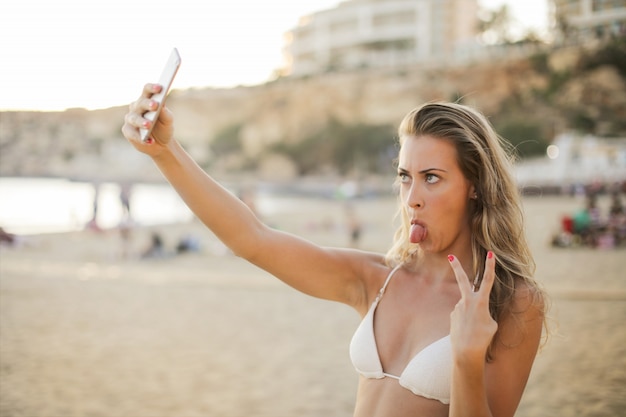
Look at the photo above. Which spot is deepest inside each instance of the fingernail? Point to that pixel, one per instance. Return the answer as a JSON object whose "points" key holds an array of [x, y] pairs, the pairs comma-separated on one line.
{"points": [[149, 140], [489, 255], [146, 124], [451, 258]]}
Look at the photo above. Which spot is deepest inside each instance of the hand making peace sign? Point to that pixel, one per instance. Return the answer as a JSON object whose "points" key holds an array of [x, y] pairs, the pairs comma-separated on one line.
{"points": [[471, 326]]}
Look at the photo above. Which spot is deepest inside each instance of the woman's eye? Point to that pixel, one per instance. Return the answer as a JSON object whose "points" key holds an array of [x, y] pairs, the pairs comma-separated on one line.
{"points": [[431, 178], [403, 178]]}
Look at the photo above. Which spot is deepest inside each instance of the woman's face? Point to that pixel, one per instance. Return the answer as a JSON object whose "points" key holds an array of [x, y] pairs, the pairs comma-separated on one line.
{"points": [[435, 194]]}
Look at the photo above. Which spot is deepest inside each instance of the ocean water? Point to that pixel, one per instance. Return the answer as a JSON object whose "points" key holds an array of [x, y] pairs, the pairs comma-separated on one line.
{"points": [[48, 205], [53, 205]]}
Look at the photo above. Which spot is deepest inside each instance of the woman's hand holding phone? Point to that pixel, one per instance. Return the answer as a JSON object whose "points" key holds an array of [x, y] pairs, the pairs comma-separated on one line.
{"points": [[148, 122]]}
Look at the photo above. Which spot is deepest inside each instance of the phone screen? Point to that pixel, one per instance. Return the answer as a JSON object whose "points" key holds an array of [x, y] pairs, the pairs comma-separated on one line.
{"points": [[167, 76]]}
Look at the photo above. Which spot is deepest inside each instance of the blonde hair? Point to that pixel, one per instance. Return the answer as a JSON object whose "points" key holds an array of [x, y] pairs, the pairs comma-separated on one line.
{"points": [[496, 218]]}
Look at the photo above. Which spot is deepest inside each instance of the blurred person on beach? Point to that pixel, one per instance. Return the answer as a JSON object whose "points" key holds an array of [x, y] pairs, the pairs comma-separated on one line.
{"points": [[156, 249], [93, 223], [7, 238], [354, 225], [616, 222], [125, 195], [125, 226], [452, 316]]}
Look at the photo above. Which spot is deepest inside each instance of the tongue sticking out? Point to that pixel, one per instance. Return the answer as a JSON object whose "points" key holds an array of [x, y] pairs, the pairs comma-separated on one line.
{"points": [[417, 233]]}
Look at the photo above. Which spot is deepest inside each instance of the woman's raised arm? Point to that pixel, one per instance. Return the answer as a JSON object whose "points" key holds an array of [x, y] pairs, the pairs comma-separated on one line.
{"points": [[334, 274]]}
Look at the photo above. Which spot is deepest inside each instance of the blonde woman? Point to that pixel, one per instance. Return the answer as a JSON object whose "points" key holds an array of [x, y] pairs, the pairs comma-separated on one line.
{"points": [[452, 317]]}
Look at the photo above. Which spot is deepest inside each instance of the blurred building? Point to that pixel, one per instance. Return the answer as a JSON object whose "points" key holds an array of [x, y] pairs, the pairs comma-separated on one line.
{"points": [[574, 159], [381, 33], [580, 20]]}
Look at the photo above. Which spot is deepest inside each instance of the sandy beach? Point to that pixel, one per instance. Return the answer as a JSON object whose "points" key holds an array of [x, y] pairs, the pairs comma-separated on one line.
{"points": [[87, 328]]}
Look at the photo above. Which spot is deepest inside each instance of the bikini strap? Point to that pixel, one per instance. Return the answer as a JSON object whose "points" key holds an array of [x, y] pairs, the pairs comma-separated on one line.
{"points": [[384, 287]]}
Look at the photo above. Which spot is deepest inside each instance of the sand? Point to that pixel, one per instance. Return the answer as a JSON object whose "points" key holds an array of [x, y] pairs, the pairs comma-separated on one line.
{"points": [[89, 329]]}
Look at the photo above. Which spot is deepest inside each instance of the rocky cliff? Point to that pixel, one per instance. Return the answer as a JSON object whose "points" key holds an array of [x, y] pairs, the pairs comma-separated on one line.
{"points": [[88, 144]]}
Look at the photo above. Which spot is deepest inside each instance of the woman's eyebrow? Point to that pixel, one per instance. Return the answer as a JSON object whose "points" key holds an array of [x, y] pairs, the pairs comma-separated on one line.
{"points": [[427, 170], [424, 171]]}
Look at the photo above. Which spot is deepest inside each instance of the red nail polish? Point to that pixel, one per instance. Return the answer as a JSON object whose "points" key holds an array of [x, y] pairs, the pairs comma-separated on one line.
{"points": [[451, 258], [149, 140], [489, 255]]}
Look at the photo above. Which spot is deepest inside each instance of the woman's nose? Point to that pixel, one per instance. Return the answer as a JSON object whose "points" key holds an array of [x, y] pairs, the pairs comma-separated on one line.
{"points": [[414, 198]]}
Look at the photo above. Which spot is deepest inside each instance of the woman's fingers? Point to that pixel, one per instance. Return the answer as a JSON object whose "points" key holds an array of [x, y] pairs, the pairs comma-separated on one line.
{"points": [[134, 120], [471, 325], [484, 286], [150, 89], [142, 105], [460, 275], [490, 274]]}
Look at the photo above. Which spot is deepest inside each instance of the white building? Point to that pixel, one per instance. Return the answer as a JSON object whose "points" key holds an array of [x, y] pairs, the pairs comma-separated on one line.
{"points": [[590, 19], [381, 33], [575, 159]]}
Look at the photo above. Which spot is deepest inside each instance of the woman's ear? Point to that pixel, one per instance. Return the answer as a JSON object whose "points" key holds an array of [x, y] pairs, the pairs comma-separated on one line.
{"points": [[473, 195]]}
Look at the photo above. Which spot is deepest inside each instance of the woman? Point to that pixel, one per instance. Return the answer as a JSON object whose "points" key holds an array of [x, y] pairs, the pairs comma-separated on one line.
{"points": [[452, 317]]}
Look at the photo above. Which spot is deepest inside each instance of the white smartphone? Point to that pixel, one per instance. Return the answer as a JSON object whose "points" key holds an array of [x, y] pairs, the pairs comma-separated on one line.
{"points": [[167, 76]]}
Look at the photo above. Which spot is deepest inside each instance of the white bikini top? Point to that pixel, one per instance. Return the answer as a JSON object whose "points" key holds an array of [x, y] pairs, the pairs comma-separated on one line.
{"points": [[428, 374]]}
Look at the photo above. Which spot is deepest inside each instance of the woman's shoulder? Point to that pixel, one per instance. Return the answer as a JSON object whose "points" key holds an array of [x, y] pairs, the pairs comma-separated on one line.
{"points": [[528, 297], [526, 315]]}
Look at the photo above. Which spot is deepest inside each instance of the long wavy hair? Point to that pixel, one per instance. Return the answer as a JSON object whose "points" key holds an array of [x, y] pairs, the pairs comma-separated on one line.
{"points": [[496, 217]]}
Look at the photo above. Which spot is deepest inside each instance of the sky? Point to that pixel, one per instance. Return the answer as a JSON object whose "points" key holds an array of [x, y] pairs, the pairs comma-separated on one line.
{"points": [[99, 53]]}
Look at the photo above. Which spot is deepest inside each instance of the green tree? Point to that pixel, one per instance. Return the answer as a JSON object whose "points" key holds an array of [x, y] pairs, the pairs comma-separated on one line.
{"points": [[345, 147], [495, 25], [227, 141], [525, 136]]}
